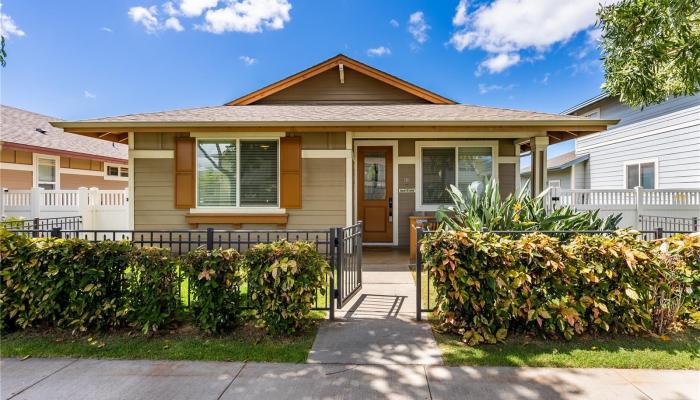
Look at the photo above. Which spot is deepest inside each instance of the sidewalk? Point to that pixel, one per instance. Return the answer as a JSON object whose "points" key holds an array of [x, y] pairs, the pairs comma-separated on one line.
{"points": [[48, 379]]}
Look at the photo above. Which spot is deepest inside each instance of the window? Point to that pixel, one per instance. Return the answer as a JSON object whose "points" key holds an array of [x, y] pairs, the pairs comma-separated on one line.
{"points": [[641, 174], [554, 183], [460, 165], [237, 173], [46, 173], [116, 171]]}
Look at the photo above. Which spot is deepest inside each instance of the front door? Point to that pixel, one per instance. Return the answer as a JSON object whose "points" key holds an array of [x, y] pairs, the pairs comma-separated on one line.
{"points": [[375, 188]]}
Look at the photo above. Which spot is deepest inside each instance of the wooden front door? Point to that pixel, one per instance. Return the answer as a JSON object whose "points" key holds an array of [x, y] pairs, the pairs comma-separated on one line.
{"points": [[374, 197]]}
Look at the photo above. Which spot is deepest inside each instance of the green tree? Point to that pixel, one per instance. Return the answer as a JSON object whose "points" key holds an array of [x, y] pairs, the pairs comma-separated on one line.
{"points": [[3, 54], [651, 49]]}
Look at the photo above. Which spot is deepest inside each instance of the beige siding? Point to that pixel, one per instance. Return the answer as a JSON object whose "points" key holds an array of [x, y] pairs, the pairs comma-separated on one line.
{"points": [[13, 179], [154, 196], [407, 201], [157, 141], [74, 181], [506, 179], [323, 195], [321, 140], [326, 88]]}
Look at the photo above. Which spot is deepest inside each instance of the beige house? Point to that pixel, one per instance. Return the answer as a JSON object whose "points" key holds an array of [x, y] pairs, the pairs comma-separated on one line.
{"points": [[35, 154], [333, 144]]}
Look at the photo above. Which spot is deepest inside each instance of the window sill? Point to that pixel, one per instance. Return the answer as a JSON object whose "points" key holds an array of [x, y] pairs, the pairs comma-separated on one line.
{"points": [[236, 219]]}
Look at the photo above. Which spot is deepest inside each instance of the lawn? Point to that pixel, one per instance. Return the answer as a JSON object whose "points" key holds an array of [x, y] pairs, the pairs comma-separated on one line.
{"points": [[681, 351], [428, 293], [245, 344]]}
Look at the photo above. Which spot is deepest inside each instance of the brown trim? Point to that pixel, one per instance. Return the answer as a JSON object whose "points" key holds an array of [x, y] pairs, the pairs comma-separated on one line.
{"points": [[290, 172], [332, 62], [185, 170], [237, 219], [57, 152]]}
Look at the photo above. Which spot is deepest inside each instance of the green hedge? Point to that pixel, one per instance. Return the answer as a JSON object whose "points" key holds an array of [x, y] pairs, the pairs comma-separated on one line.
{"points": [[215, 282], [489, 285], [75, 284], [283, 278]]}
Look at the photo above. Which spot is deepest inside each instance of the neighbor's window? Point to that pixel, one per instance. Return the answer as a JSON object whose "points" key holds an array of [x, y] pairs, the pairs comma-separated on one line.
{"points": [[641, 174], [237, 173], [117, 171], [461, 166], [46, 173]]}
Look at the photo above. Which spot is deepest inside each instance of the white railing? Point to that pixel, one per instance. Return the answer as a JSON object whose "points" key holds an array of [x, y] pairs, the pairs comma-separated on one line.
{"points": [[631, 203], [99, 209]]}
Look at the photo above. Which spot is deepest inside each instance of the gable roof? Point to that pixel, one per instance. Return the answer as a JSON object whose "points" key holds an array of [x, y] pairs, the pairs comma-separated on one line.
{"points": [[29, 131], [334, 62]]}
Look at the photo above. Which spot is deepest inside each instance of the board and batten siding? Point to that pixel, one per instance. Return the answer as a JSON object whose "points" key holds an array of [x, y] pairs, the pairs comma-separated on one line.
{"points": [[672, 139]]}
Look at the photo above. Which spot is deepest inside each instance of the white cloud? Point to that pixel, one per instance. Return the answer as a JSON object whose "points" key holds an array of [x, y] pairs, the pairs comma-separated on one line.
{"points": [[394, 23], [499, 62], [248, 60], [483, 89], [148, 17], [170, 9], [248, 16], [106, 29], [89, 95], [506, 27], [195, 8], [8, 27], [379, 51], [418, 27], [174, 24]]}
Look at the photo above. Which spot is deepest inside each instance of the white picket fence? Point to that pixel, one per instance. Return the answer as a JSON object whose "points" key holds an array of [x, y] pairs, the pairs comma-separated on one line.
{"points": [[99, 209], [631, 203]]}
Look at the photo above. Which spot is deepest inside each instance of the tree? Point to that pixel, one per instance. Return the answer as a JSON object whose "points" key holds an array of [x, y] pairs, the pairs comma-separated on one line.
{"points": [[651, 49], [3, 54]]}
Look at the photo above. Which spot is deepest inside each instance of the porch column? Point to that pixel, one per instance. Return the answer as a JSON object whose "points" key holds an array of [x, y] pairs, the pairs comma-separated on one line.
{"points": [[349, 214], [538, 166]]}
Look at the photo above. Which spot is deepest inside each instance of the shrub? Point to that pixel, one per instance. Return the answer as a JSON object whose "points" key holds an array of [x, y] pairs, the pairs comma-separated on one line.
{"points": [[283, 278], [214, 282], [153, 295], [515, 212], [69, 283], [489, 285]]}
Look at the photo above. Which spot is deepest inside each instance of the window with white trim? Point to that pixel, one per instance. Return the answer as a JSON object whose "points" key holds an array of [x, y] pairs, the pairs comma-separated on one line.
{"points": [[116, 171], [237, 173], [462, 166], [46, 173], [641, 174]]}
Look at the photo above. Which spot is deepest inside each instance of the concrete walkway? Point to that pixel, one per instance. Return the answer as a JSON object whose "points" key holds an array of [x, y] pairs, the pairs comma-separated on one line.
{"points": [[377, 326], [69, 379]]}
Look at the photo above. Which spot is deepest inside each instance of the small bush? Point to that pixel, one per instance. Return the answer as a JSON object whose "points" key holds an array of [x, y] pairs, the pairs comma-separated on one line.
{"points": [[283, 278], [489, 285], [153, 295], [214, 282]]}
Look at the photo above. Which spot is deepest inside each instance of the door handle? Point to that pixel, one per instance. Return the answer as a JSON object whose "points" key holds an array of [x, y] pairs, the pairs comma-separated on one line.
{"points": [[391, 206]]}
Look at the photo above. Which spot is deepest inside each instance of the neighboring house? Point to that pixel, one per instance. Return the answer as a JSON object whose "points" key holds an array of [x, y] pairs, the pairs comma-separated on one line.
{"points": [[336, 143], [566, 171], [657, 147], [35, 154]]}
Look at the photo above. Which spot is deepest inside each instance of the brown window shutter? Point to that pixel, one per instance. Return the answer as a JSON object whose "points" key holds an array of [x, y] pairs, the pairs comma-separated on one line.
{"points": [[185, 169], [290, 172]]}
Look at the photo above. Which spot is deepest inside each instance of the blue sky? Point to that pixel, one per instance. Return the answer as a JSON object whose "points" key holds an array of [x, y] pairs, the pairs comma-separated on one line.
{"points": [[85, 58]]}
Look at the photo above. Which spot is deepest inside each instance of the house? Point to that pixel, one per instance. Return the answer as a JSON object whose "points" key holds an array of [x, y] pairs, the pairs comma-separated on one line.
{"points": [[335, 143], [657, 147], [566, 171], [35, 154]]}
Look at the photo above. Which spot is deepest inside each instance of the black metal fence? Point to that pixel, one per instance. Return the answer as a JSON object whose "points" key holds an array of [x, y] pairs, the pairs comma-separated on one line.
{"points": [[349, 277], [425, 293], [44, 224], [670, 225], [342, 248]]}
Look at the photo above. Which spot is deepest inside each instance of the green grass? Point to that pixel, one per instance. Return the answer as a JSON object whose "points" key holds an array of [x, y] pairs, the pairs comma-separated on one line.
{"points": [[428, 293], [244, 344], [681, 351]]}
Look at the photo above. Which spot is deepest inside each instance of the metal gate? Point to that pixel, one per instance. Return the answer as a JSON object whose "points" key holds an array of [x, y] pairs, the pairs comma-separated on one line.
{"points": [[349, 262]]}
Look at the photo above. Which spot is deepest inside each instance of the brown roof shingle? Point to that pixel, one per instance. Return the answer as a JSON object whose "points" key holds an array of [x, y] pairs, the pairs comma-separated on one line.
{"points": [[32, 129]]}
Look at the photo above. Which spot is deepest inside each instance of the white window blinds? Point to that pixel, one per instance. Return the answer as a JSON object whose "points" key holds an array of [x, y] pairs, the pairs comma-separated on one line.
{"points": [[259, 173], [216, 173]]}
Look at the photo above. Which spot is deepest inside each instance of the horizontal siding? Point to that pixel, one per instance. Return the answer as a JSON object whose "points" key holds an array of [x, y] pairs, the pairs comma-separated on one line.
{"points": [[16, 180], [407, 201], [326, 88], [154, 196], [673, 139], [74, 181], [323, 195], [564, 178]]}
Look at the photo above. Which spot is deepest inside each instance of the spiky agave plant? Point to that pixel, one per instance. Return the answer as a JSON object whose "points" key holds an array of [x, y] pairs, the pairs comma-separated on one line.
{"points": [[515, 212]]}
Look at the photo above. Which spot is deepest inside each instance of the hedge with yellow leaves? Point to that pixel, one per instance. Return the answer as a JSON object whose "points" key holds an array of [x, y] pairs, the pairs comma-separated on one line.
{"points": [[489, 286]]}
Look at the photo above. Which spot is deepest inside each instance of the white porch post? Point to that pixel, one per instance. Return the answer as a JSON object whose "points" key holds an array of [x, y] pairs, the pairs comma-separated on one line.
{"points": [[538, 167], [37, 202], [2, 202], [348, 180]]}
